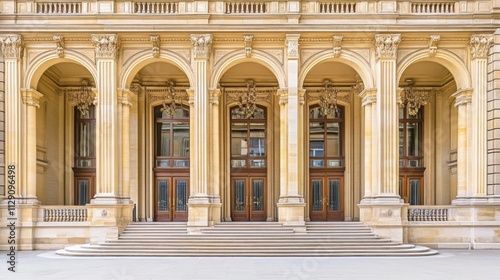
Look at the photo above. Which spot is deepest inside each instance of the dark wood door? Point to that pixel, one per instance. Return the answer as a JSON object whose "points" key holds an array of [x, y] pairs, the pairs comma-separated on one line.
{"points": [[411, 185], [248, 200], [84, 185], [326, 198], [171, 199]]}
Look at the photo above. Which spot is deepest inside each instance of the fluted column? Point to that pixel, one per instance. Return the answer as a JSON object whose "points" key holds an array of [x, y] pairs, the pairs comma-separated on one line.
{"points": [[387, 122], [291, 206], [107, 179], [463, 103], [31, 99], [125, 102], [479, 47], [215, 144], [200, 208], [12, 51], [369, 100]]}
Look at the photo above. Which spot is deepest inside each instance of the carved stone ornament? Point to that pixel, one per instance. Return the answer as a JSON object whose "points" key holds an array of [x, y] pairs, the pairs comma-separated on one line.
{"points": [[480, 45], [433, 45], [248, 45], [337, 41], [106, 45], [155, 39], [292, 44], [12, 46], [387, 45], [202, 45], [59, 39]]}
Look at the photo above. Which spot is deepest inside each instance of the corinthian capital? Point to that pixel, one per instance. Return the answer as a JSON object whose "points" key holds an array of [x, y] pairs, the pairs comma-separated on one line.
{"points": [[12, 46], [202, 45], [387, 45], [480, 45], [106, 45]]}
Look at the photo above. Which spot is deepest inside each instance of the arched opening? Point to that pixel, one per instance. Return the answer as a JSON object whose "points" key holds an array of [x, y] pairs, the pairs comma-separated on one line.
{"points": [[66, 135], [160, 147], [250, 185], [333, 115], [427, 135]]}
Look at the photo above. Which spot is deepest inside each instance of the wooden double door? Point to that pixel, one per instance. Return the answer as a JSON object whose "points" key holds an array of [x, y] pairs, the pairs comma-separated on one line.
{"points": [[411, 185], [326, 194], [171, 197], [248, 198]]}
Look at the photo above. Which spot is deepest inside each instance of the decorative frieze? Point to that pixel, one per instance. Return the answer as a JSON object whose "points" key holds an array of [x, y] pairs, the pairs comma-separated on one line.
{"points": [[292, 45], [155, 39], [248, 45], [202, 45], [12, 46], [337, 41], [387, 45], [480, 45], [106, 45], [154, 94], [433, 45]]}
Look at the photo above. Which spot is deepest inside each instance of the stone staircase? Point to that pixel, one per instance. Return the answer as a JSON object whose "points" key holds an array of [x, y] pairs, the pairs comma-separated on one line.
{"points": [[248, 239]]}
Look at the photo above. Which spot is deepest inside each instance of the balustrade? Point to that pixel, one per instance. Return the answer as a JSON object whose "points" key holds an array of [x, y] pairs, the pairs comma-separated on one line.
{"points": [[427, 214], [337, 8], [59, 8], [156, 8], [247, 7], [433, 7], [73, 214]]}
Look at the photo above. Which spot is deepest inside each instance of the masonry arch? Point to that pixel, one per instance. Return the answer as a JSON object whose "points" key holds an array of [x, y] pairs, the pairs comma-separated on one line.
{"points": [[237, 57], [350, 58], [137, 62]]}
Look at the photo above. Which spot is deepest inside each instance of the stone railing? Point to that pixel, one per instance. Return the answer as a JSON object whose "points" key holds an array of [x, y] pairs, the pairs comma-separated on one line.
{"points": [[427, 214], [59, 8], [336, 8], [247, 7], [156, 8], [64, 213], [433, 7]]}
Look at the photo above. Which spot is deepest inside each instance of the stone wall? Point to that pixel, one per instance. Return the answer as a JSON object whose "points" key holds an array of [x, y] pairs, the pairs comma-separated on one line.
{"points": [[494, 118]]}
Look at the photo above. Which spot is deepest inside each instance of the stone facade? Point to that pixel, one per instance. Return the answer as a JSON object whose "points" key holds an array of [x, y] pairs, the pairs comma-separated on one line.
{"points": [[396, 171]]}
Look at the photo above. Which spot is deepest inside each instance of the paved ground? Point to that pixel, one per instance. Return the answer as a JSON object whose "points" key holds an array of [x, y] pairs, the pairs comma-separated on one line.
{"points": [[449, 264]]}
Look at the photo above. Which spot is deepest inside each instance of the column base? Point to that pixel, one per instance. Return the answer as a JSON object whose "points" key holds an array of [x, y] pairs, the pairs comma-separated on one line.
{"points": [[204, 211], [108, 221], [105, 199], [291, 213], [384, 218]]}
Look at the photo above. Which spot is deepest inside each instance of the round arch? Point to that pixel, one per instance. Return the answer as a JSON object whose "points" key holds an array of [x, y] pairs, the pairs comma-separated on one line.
{"points": [[238, 57], [443, 57], [45, 60], [350, 58], [141, 59]]}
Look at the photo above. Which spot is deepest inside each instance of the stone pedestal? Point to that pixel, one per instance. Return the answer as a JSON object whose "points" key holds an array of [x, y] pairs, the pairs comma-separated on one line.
{"points": [[108, 221], [386, 220]]}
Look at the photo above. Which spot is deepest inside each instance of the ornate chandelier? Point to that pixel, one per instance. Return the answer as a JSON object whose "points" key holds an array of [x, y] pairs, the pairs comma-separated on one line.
{"points": [[170, 100], [328, 99], [247, 100], [413, 99], [82, 97]]}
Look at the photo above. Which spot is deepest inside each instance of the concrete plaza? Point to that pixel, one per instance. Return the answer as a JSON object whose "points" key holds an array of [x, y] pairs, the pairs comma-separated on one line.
{"points": [[449, 264]]}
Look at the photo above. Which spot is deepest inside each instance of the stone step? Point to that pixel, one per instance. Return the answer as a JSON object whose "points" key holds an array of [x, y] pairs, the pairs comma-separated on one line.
{"points": [[254, 243]]}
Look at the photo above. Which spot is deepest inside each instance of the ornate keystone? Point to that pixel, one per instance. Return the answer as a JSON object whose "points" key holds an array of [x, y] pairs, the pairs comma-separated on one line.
{"points": [[12, 46], [433, 45], [202, 45], [248, 45], [155, 39], [387, 45], [337, 41], [59, 39], [480, 45], [106, 45], [292, 44]]}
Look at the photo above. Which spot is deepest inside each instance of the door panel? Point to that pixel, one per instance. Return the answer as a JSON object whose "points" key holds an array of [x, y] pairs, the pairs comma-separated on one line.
{"points": [[171, 199], [411, 189], [248, 201], [326, 199]]}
